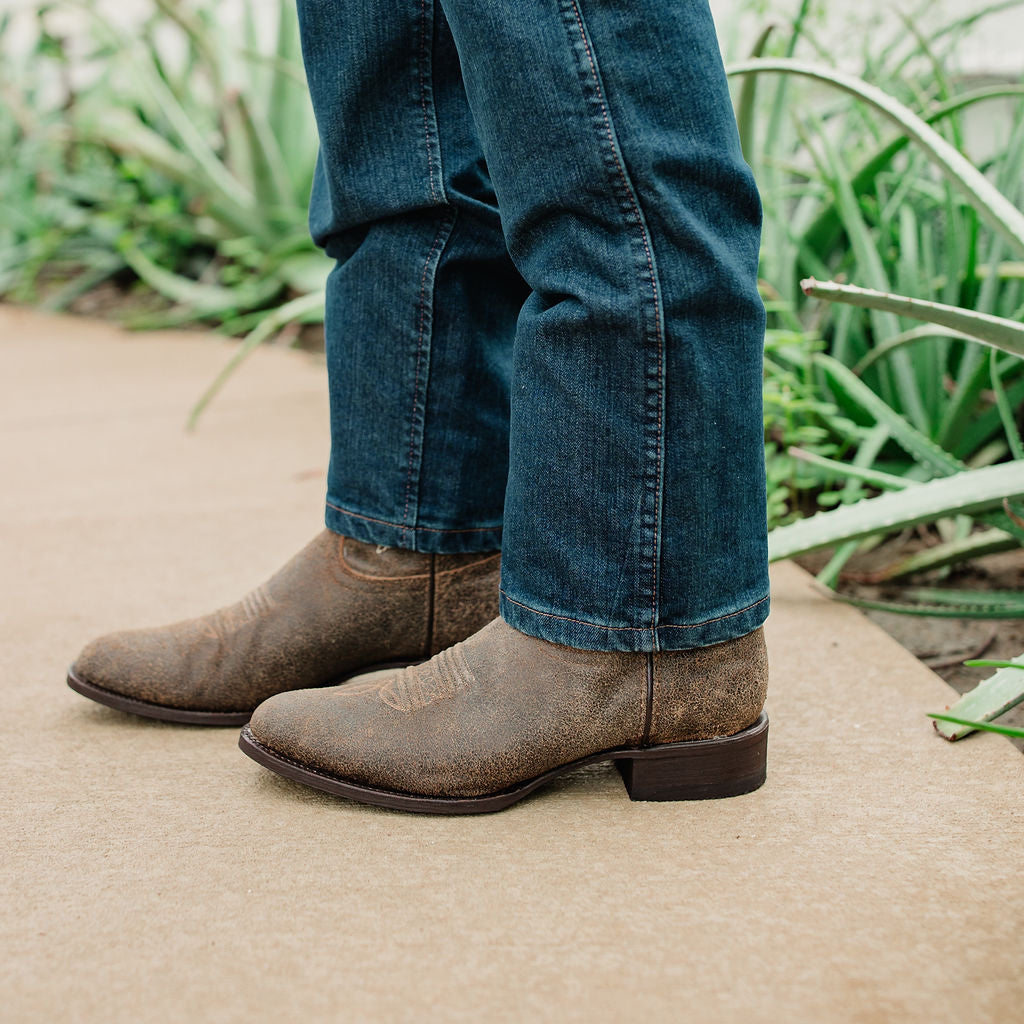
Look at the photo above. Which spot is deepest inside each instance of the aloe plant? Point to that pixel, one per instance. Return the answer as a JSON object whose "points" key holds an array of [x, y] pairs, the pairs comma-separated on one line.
{"points": [[988, 700], [211, 139], [867, 182], [999, 332], [985, 198], [962, 493], [867, 179]]}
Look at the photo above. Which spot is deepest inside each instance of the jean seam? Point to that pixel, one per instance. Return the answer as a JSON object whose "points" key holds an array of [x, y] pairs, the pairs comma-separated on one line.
{"points": [[430, 132], [415, 529], [630, 207], [418, 415], [633, 629]]}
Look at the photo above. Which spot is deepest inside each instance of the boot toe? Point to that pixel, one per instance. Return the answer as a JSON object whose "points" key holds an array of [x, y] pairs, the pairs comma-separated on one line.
{"points": [[106, 662], [324, 729], [138, 665]]}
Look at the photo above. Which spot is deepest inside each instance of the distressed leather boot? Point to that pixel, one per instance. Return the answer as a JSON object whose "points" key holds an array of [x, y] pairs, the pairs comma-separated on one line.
{"points": [[339, 607], [481, 725]]}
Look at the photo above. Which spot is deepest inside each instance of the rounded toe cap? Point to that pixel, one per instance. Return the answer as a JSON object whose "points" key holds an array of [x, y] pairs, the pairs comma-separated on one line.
{"points": [[103, 662], [141, 665]]}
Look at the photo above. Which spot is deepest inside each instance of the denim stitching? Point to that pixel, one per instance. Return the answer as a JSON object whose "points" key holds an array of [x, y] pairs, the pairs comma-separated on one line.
{"points": [[632, 629], [425, 92], [405, 529], [630, 195], [429, 269]]}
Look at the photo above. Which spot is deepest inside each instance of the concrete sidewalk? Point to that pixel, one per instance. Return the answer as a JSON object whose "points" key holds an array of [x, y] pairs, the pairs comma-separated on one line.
{"points": [[153, 873]]}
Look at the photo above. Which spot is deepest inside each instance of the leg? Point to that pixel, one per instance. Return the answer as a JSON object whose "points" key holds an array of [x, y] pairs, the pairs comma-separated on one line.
{"points": [[631, 213], [422, 305], [634, 558], [420, 316]]}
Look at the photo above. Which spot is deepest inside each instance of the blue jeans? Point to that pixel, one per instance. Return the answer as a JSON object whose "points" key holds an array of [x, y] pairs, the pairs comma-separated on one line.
{"points": [[543, 327]]}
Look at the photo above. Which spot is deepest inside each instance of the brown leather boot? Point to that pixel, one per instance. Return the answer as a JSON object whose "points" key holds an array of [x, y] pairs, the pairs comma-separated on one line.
{"points": [[337, 608], [479, 726]]}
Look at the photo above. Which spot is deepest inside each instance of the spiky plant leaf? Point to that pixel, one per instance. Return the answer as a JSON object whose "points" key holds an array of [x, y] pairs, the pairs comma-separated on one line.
{"points": [[995, 331], [960, 494], [990, 203], [989, 699]]}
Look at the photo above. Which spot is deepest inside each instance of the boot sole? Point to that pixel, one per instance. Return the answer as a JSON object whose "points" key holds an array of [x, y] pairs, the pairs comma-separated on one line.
{"points": [[185, 716], [694, 770]]}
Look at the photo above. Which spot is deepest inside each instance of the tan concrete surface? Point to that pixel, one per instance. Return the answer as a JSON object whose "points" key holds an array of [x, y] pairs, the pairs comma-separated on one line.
{"points": [[153, 873]]}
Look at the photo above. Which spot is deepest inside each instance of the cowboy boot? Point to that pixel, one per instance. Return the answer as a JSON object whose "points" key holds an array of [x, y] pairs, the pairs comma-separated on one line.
{"points": [[481, 725], [339, 607]]}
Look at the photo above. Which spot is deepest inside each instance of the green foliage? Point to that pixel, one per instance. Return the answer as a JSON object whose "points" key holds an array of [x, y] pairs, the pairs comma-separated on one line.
{"points": [[797, 418], [871, 183], [988, 700], [184, 159], [868, 179]]}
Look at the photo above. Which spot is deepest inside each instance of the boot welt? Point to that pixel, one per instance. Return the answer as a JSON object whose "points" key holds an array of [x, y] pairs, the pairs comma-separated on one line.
{"points": [[693, 770], [188, 716]]}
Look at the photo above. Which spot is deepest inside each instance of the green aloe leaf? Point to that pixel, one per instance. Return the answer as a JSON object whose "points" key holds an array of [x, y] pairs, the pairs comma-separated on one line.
{"points": [[844, 383], [824, 232], [947, 604], [984, 542], [867, 454], [297, 309], [1007, 413], [202, 299], [851, 471], [989, 699], [990, 203], [960, 494], [746, 107], [1002, 730], [995, 331], [869, 262], [925, 332]]}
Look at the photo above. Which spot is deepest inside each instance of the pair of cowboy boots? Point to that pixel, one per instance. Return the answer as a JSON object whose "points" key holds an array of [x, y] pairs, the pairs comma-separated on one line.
{"points": [[384, 675]]}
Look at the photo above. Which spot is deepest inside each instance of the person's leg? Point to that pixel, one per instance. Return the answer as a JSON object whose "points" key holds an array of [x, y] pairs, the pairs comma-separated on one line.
{"points": [[635, 509], [627, 206], [422, 305], [421, 311]]}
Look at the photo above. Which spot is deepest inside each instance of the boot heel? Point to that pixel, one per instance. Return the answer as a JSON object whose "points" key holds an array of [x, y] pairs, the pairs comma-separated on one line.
{"points": [[699, 769]]}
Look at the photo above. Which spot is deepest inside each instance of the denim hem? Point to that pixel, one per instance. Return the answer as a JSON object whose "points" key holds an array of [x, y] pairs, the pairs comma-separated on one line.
{"points": [[593, 636], [431, 540]]}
